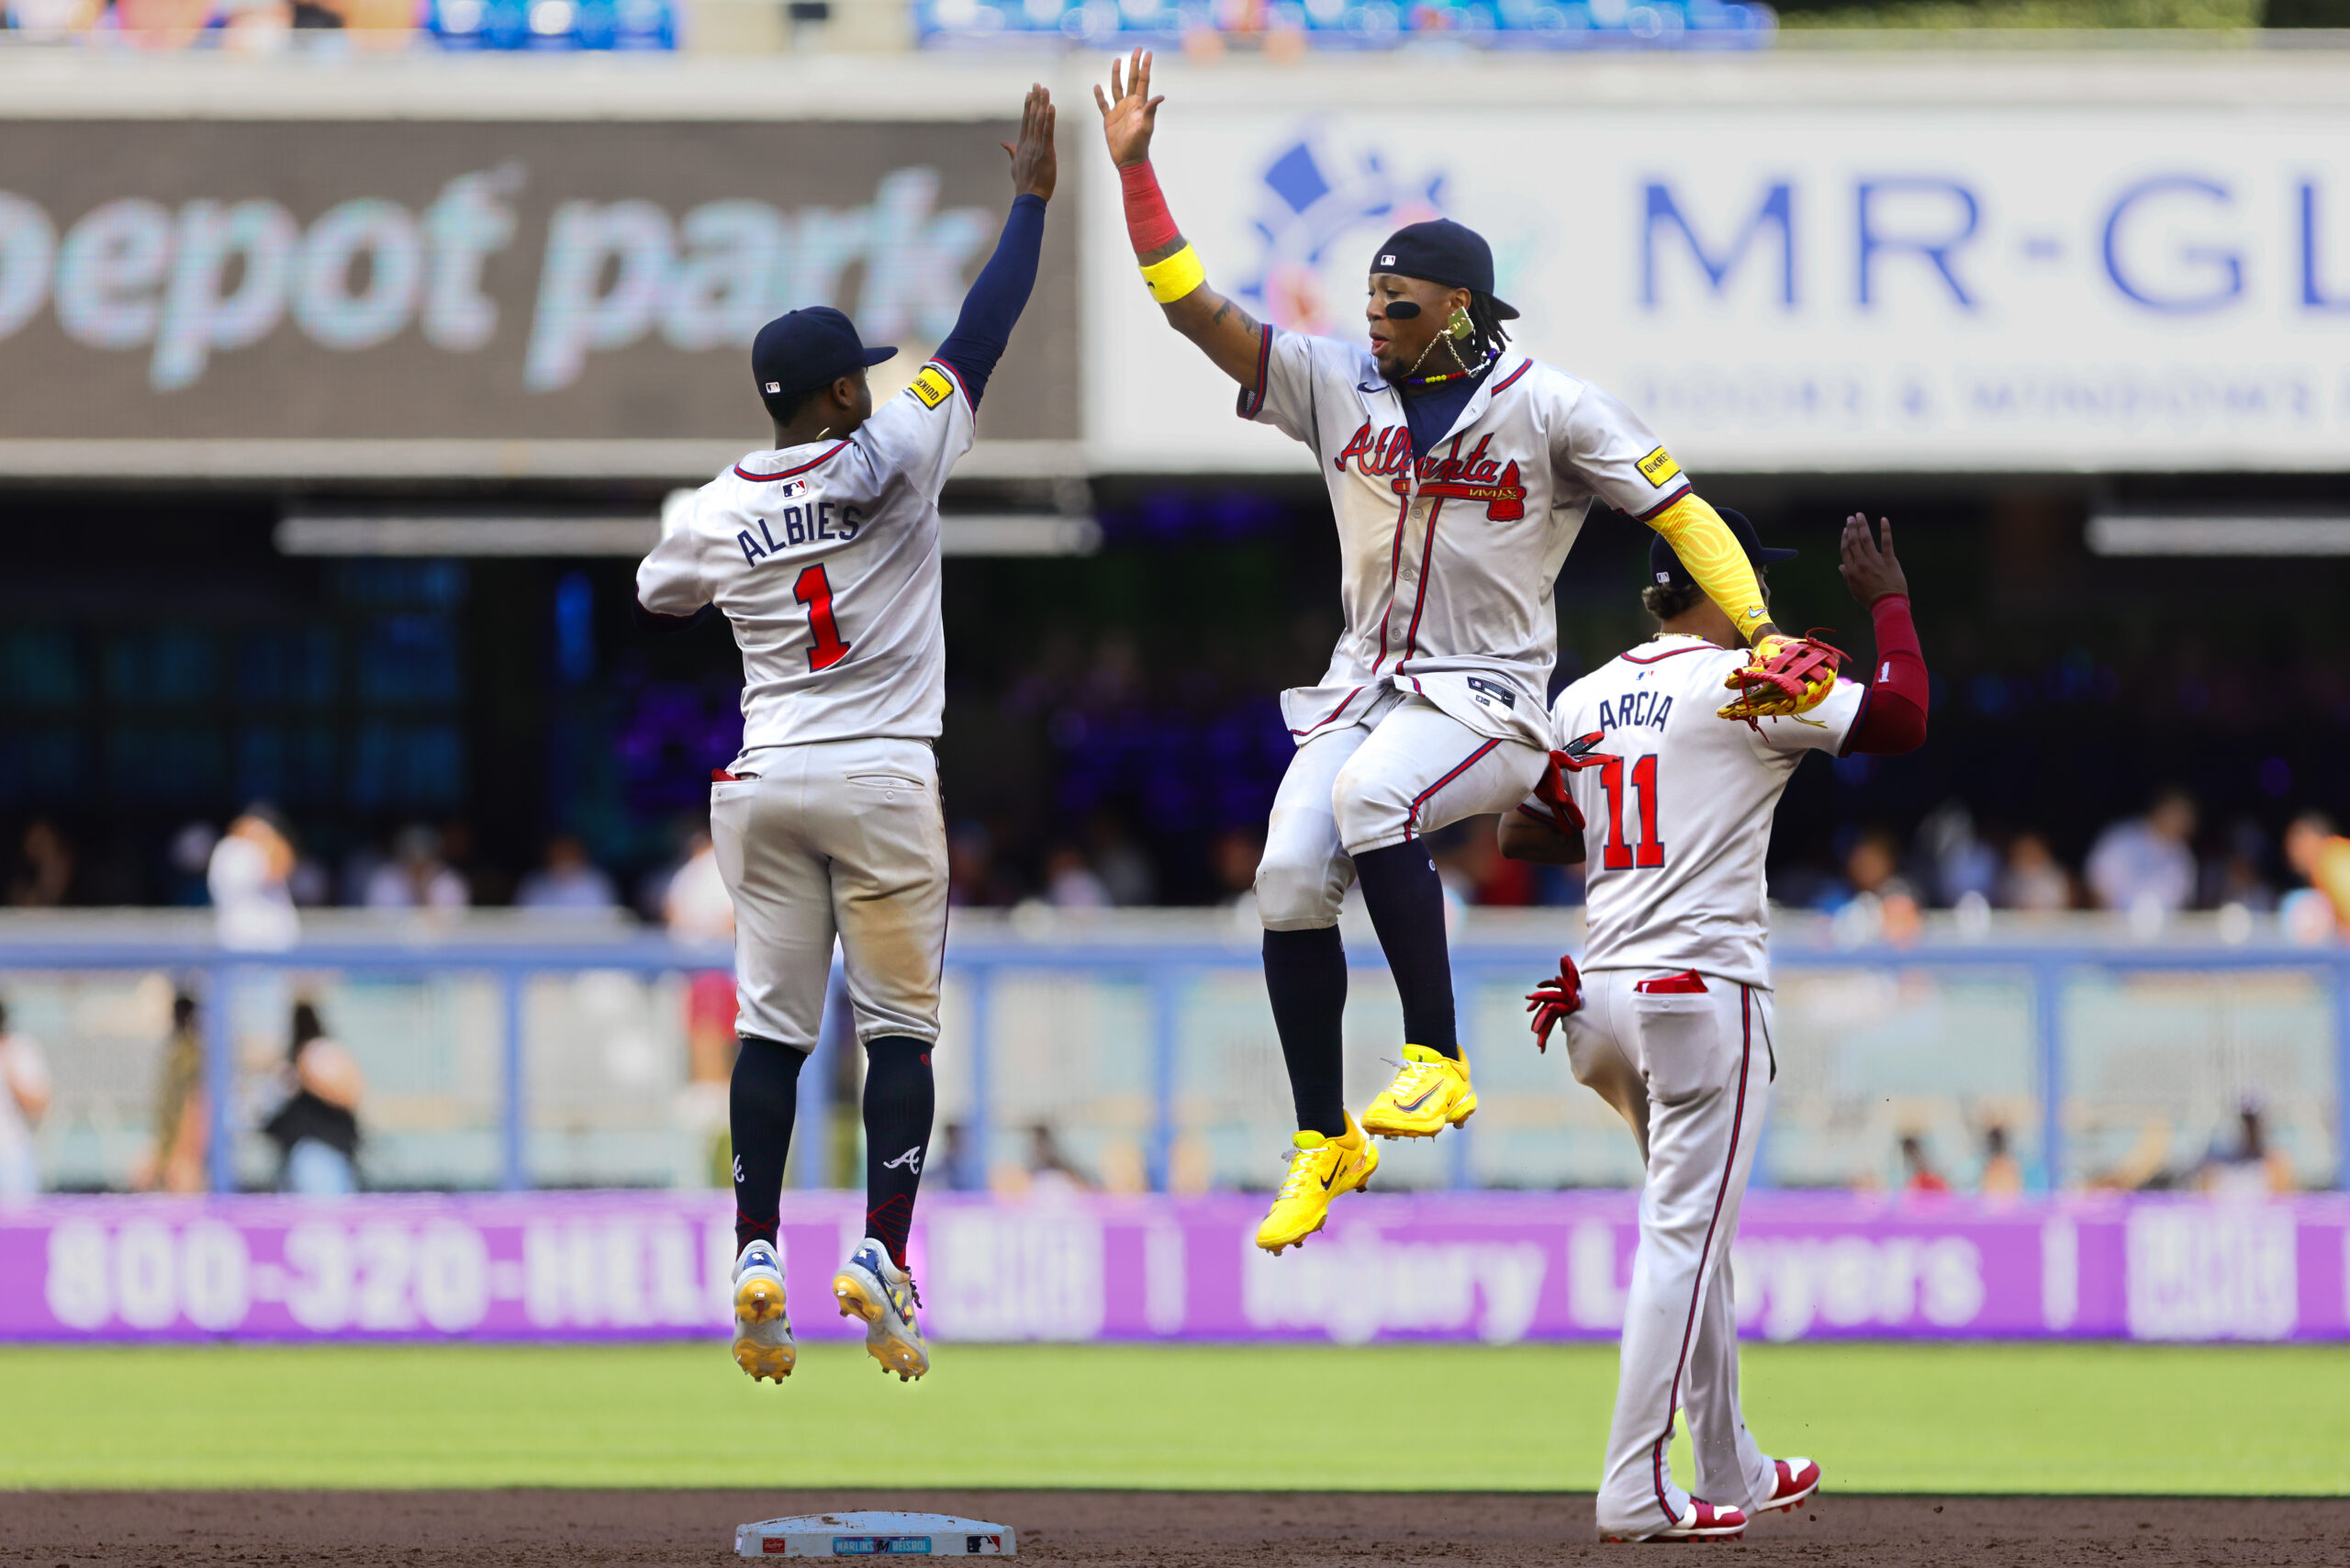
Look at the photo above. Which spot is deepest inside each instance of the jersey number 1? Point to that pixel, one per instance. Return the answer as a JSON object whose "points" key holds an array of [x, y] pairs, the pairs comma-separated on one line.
{"points": [[1617, 854], [815, 590]]}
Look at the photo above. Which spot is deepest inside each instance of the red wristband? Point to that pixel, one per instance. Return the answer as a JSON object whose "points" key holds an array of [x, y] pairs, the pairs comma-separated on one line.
{"points": [[1148, 223]]}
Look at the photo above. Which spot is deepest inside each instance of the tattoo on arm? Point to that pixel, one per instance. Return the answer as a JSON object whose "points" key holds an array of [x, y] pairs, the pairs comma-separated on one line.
{"points": [[1241, 319]]}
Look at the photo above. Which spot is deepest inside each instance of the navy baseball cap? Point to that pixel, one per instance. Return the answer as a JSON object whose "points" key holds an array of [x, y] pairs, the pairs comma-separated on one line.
{"points": [[1666, 570], [803, 350], [1443, 252]]}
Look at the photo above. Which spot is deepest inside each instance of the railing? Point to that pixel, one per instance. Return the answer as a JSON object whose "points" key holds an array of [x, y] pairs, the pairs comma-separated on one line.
{"points": [[1167, 968]]}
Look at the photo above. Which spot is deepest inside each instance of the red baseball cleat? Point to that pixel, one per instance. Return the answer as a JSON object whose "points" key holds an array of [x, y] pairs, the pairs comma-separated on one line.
{"points": [[1798, 1479], [1703, 1522]]}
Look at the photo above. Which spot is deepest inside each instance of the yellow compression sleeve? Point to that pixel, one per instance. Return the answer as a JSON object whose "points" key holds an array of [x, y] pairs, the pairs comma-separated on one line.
{"points": [[1705, 545]]}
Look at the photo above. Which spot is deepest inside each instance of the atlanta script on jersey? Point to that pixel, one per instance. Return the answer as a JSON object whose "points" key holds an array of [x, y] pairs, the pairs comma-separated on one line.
{"points": [[825, 558], [1448, 555], [1678, 819]]}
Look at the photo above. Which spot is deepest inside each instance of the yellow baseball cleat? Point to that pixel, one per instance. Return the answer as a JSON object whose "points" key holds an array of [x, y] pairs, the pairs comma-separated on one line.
{"points": [[1430, 1093], [1320, 1168], [762, 1346]]}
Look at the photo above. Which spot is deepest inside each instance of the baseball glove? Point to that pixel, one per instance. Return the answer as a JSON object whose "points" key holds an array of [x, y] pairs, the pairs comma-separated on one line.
{"points": [[1784, 675], [1553, 1000]]}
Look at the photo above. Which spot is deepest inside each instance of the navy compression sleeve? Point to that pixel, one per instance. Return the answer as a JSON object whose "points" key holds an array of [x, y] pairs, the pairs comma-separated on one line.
{"points": [[997, 297]]}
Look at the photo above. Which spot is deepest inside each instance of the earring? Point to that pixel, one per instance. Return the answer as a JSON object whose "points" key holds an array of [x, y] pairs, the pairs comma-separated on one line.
{"points": [[1459, 325]]}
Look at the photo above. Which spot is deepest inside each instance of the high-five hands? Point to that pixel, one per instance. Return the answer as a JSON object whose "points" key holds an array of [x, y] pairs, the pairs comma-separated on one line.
{"points": [[1129, 114], [1034, 166]]}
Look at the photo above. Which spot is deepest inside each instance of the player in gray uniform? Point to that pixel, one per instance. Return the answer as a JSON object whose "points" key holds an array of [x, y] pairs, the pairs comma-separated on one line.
{"points": [[1668, 810], [1460, 471], [823, 554]]}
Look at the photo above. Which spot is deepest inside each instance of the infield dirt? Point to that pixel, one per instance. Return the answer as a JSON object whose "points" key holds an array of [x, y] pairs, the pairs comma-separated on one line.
{"points": [[1163, 1529]]}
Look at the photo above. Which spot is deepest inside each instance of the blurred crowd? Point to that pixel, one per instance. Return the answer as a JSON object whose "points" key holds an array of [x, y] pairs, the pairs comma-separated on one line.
{"points": [[2144, 867]]}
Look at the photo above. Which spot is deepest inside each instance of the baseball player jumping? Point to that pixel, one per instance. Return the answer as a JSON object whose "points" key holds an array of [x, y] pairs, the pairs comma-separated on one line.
{"points": [[1460, 471], [1670, 810], [824, 555]]}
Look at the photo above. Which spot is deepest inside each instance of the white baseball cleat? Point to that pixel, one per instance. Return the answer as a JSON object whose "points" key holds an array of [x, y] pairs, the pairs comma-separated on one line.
{"points": [[763, 1344], [872, 1287], [1794, 1481]]}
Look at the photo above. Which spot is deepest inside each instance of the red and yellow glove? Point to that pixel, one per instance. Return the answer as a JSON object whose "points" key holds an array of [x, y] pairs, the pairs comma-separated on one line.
{"points": [[1784, 675], [1553, 1000]]}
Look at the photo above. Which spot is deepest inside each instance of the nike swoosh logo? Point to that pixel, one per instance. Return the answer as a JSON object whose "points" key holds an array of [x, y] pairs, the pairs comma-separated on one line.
{"points": [[1336, 1167], [1426, 1095]]}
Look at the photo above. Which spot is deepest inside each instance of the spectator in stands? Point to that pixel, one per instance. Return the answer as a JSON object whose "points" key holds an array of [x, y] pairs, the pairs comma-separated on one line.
{"points": [[1233, 857], [162, 24], [416, 877], [316, 1127], [1919, 1175], [1124, 873], [182, 1122], [696, 909], [189, 858], [1049, 1169], [24, 1096], [1476, 871], [2002, 1172], [2249, 1168], [567, 879], [2236, 875], [44, 869], [953, 1164], [2319, 856], [2147, 863], [1881, 905], [1961, 862], [49, 19], [247, 877], [971, 876], [2035, 880], [1070, 883]]}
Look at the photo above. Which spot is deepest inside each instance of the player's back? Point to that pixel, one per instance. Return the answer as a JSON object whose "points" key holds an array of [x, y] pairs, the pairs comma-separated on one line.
{"points": [[1678, 819], [824, 557]]}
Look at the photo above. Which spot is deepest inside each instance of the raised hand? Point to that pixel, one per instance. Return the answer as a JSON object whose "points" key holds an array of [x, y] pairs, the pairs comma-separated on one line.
{"points": [[1129, 114], [1034, 166], [1870, 569]]}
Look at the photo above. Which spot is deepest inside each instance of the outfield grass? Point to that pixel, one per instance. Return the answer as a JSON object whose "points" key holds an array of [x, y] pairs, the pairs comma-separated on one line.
{"points": [[1881, 1418]]}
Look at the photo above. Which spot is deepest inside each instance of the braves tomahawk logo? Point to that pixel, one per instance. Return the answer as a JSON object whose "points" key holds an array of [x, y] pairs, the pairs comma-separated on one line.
{"points": [[1446, 475]]}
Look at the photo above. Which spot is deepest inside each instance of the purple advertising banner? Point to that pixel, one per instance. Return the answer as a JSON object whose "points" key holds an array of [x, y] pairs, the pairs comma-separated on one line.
{"points": [[1500, 1267]]}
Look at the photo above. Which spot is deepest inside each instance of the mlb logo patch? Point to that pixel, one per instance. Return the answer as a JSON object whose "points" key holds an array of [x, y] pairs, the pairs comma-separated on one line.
{"points": [[774, 385], [1386, 261], [796, 488]]}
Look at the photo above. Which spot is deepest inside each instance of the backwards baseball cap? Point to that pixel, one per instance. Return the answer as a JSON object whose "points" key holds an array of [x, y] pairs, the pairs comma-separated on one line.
{"points": [[1443, 252], [803, 350], [1666, 570]]}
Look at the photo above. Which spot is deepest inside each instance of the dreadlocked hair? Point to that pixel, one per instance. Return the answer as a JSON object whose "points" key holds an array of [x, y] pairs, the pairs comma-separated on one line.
{"points": [[1666, 600], [1486, 325]]}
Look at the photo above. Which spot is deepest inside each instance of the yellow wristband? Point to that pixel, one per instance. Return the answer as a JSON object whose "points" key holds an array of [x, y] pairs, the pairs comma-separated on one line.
{"points": [[1178, 275]]}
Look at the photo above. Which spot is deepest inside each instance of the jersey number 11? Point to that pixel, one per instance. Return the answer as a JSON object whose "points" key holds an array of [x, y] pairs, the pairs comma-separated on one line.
{"points": [[1617, 854]]}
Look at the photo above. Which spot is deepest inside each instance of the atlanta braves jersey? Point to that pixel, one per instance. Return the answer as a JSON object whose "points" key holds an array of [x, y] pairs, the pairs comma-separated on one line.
{"points": [[825, 559], [1678, 819], [1448, 555]]}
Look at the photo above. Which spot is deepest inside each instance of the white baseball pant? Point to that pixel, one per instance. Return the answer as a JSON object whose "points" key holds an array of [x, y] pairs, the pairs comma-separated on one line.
{"points": [[1690, 1070], [1407, 769], [836, 838]]}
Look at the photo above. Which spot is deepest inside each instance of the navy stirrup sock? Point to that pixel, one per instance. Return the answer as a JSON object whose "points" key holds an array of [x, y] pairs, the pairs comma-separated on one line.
{"points": [[762, 1100], [1405, 898], [1305, 976], [901, 1096]]}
